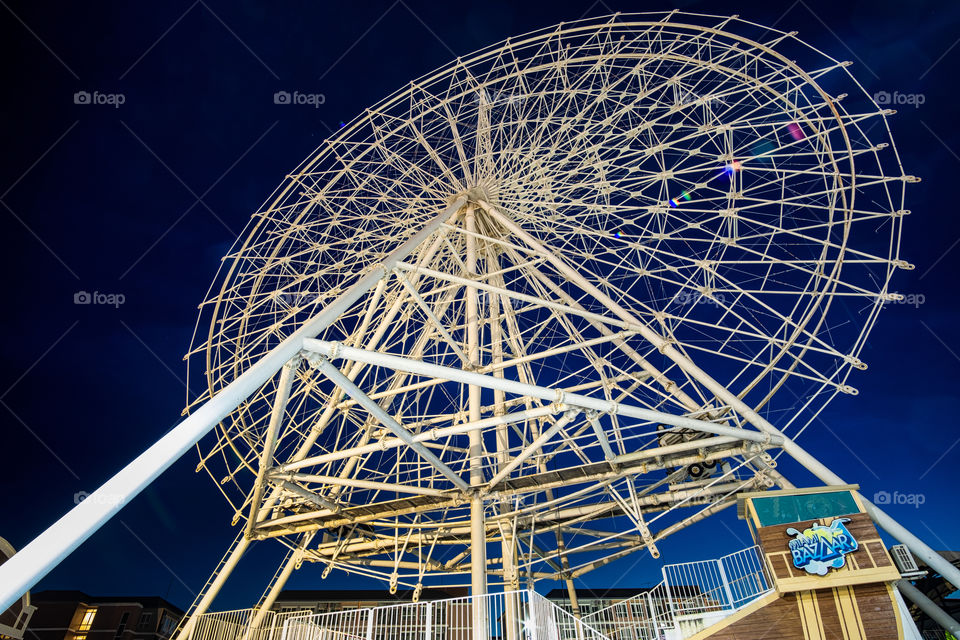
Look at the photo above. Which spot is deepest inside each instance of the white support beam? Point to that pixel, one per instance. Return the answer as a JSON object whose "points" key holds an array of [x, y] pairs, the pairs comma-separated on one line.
{"points": [[929, 607], [374, 409], [430, 435], [39, 557], [335, 350], [287, 375], [478, 530], [360, 484], [608, 453]]}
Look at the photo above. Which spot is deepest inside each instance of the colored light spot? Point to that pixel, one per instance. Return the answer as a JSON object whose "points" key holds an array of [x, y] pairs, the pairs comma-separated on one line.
{"points": [[675, 202], [795, 131], [617, 235], [732, 168]]}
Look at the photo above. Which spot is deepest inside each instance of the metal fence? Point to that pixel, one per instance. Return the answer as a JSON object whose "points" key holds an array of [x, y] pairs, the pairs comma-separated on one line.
{"points": [[514, 615], [746, 575], [689, 598], [238, 625]]}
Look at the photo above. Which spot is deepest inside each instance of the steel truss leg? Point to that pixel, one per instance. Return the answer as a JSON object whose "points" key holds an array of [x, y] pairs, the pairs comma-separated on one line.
{"points": [[478, 531], [223, 573], [287, 375], [271, 596], [39, 557]]}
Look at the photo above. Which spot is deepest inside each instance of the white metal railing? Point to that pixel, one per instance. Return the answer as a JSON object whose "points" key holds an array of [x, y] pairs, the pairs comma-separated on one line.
{"points": [[637, 618], [514, 615], [555, 623], [238, 625], [746, 574], [691, 597]]}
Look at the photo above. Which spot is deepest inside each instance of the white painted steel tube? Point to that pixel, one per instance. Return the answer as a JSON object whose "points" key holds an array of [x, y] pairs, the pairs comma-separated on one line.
{"points": [[425, 436], [34, 561], [929, 607], [336, 350], [387, 420]]}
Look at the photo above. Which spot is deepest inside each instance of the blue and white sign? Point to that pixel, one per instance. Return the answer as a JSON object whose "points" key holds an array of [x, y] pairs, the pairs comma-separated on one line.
{"points": [[818, 549]]}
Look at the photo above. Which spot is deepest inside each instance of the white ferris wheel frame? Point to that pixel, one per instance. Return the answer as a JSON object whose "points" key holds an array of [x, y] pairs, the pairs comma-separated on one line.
{"points": [[470, 215]]}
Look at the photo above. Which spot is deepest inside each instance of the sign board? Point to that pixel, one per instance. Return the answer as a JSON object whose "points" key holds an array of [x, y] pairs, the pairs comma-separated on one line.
{"points": [[819, 548]]}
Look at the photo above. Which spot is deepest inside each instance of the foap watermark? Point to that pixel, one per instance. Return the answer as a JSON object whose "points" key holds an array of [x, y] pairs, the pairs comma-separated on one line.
{"points": [[97, 98], [909, 299], [485, 299], [487, 97], [897, 498], [109, 299], [312, 99], [686, 297], [689, 98], [104, 498], [897, 98], [296, 299]]}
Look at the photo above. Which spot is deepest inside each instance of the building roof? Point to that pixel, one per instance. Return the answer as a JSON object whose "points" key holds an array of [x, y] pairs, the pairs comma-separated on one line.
{"points": [[338, 595], [80, 596], [605, 594]]}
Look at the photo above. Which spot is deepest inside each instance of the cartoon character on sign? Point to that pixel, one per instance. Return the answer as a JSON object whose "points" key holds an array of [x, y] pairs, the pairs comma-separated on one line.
{"points": [[819, 549]]}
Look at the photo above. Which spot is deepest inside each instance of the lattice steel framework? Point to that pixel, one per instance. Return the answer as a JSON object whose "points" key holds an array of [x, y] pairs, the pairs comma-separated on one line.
{"points": [[639, 194], [540, 309]]}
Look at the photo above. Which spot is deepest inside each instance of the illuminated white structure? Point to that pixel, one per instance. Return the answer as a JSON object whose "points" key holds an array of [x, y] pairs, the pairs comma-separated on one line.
{"points": [[541, 309]]}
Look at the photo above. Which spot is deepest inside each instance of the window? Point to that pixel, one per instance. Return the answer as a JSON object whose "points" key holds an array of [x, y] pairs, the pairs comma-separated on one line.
{"points": [[167, 625], [80, 636], [772, 510], [145, 623], [86, 619], [123, 623]]}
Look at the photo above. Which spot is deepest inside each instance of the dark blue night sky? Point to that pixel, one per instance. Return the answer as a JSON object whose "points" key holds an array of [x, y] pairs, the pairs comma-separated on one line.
{"points": [[144, 198]]}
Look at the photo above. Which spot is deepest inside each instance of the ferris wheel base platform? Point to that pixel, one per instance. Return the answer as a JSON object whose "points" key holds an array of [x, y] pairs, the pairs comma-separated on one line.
{"points": [[830, 573]]}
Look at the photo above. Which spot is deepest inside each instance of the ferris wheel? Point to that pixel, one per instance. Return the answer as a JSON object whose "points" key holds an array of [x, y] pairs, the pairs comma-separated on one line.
{"points": [[540, 309], [648, 239]]}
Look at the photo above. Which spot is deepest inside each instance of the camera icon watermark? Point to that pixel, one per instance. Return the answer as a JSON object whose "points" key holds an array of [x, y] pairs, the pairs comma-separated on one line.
{"points": [[897, 498], [491, 98], [296, 299], [109, 299], [686, 297], [910, 299], [106, 498], [111, 99], [895, 98], [312, 99], [689, 98], [485, 299]]}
